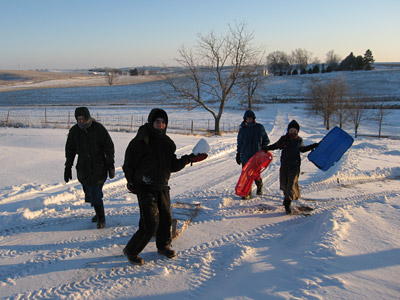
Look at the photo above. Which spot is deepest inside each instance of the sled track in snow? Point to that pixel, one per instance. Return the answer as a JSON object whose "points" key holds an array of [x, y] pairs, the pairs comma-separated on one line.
{"points": [[205, 262], [111, 191], [44, 255]]}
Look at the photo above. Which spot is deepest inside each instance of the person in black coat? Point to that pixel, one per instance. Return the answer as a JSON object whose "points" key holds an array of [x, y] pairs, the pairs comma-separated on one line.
{"points": [[291, 145], [149, 160], [95, 149], [251, 138]]}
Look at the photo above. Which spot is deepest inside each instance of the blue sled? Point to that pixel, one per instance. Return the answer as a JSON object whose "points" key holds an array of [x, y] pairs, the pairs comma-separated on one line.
{"points": [[331, 148]]}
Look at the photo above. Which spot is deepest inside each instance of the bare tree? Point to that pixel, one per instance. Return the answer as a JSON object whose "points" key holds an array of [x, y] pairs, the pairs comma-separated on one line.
{"points": [[327, 98], [252, 80], [214, 69], [341, 87], [357, 111], [333, 59], [110, 76], [278, 62], [301, 58], [382, 112]]}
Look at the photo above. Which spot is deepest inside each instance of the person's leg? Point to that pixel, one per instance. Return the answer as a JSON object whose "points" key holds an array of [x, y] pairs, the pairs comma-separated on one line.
{"points": [[147, 224], [283, 183], [89, 198], [291, 190], [95, 193], [259, 184], [163, 237]]}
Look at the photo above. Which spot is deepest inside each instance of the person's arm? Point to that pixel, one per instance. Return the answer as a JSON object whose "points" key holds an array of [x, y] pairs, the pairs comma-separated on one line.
{"points": [[278, 145], [70, 149], [70, 152], [133, 154], [308, 148], [264, 137]]}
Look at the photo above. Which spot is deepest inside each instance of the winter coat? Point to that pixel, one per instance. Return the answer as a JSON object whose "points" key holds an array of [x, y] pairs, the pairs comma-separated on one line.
{"points": [[291, 148], [150, 157], [95, 150], [250, 139]]}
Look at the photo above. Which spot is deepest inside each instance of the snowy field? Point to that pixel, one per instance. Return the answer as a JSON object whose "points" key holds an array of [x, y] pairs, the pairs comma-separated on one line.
{"points": [[349, 248]]}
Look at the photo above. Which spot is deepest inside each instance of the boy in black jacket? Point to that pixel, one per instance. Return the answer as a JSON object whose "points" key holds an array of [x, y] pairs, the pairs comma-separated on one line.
{"points": [[95, 149], [149, 160], [291, 145]]}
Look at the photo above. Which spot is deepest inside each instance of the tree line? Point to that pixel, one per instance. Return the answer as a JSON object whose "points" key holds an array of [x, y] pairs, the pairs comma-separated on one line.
{"points": [[333, 100], [301, 61]]}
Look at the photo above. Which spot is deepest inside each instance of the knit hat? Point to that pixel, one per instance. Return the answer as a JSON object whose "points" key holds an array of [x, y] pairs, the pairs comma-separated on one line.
{"points": [[82, 111], [294, 124], [249, 114]]}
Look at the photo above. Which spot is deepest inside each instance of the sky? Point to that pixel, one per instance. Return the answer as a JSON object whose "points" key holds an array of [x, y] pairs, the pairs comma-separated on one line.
{"points": [[76, 34]]}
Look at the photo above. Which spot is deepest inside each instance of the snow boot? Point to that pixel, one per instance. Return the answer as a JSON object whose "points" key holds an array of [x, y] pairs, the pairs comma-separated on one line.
{"points": [[259, 184], [247, 197], [287, 203], [101, 219], [133, 259], [167, 252], [94, 219]]}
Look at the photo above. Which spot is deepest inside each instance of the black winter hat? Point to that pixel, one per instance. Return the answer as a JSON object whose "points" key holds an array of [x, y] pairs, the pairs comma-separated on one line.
{"points": [[82, 111], [249, 114], [294, 124], [157, 113]]}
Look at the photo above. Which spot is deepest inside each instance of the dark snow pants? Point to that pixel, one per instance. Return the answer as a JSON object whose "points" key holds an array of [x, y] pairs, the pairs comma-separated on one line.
{"points": [[289, 183], [155, 218]]}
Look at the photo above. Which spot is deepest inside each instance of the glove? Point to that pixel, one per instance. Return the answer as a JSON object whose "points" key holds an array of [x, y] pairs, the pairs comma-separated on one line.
{"points": [[67, 174], [195, 158], [131, 187], [238, 161], [111, 172], [313, 146], [265, 148]]}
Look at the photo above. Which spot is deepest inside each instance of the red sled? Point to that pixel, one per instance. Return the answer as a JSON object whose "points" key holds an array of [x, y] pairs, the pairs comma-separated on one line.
{"points": [[251, 170]]}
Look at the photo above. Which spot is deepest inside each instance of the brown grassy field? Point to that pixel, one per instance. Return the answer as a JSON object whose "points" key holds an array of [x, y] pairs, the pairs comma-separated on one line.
{"points": [[40, 79]]}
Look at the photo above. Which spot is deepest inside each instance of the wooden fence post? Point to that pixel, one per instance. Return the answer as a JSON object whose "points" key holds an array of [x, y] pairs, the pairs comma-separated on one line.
{"points": [[131, 123]]}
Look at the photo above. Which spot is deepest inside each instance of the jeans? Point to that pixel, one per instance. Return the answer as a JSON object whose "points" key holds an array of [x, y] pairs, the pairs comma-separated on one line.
{"points": [[93, 194]]}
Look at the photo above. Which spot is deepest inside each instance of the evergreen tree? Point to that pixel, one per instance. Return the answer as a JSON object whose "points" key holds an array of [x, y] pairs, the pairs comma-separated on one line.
{"points": [[133, 72], [348, 63], [315, 69], [368, 60], [323, 69], [359, 63]]}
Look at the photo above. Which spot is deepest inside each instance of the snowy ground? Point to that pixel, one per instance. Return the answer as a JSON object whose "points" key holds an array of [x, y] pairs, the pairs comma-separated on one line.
{"points": [[349, 248]]}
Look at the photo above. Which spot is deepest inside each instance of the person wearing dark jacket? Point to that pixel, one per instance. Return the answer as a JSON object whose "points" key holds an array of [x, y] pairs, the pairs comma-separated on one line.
{"points": [[95, 149], [291, 145], [149, 160], [251, 138]]}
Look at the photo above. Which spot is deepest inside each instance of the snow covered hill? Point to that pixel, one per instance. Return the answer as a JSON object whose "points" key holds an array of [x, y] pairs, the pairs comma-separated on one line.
{"points": [[349, 248]]}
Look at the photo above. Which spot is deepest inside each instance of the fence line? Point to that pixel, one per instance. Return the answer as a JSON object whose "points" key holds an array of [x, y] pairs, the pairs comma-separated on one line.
{"points": [[39, 118]]}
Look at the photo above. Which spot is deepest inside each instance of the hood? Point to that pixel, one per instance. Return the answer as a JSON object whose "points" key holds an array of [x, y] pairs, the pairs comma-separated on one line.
{"points": [[82, 111], [249, 114], [157, 113]]}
